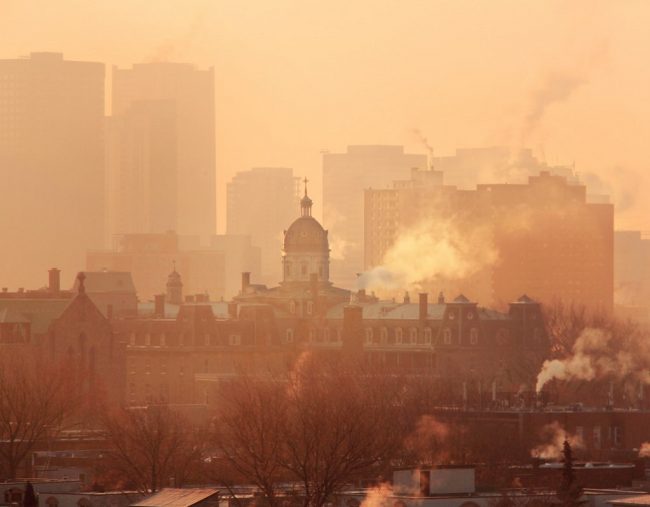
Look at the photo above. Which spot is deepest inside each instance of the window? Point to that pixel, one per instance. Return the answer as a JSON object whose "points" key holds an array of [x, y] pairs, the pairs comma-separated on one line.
{"points": [[446, 336], [84, 502], [235, 339], [383, 338], [289, 336], [326, 334], [368, 335], [312, 335], [596, 437], [310, 307], [427, 335], [414, 335], [473, 336], [398, 335], [52, 502], [292, 307]]}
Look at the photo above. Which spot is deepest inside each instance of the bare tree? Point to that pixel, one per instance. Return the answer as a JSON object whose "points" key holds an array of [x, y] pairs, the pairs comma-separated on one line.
{"points": [[37, 400], [151, 444], [249, 432], [322, 425]]}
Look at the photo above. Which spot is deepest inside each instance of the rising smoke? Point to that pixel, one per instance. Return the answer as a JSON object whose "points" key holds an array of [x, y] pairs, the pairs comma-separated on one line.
{"points": [[598, 354], [553, 437], [433, 250]]}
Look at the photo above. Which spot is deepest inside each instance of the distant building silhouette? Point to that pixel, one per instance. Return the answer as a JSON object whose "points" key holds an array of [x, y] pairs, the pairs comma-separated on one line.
{"points": [[51, 164], [345, 176], [261, 202], [161, 150], [632, 274]]}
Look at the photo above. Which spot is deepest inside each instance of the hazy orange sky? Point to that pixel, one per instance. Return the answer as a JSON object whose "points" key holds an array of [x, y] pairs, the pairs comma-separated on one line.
{"points": [[568, 79]]}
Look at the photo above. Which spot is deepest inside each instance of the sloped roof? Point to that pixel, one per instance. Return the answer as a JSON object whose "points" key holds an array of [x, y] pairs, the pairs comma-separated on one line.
{"points": [[107, 281], [389, 310], [38, 312], [461, 299], [173, 497]]}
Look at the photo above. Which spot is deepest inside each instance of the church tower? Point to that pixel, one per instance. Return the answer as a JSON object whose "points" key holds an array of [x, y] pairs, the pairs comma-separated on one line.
{"points": [[174, 288]]}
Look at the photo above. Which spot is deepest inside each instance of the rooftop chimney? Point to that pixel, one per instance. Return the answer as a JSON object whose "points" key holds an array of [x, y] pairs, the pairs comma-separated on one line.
{"points": [[159, 306], [54, 284], [441, 298], [189, 299], [245, 281], [424, 306], [407, 298]]}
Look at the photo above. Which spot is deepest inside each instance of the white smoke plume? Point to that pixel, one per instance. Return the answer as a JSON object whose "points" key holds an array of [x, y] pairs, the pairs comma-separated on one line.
{"points": [[553, 436], [432, 250], [379, 496], [425, 142], [595, 354], [644, 452]]}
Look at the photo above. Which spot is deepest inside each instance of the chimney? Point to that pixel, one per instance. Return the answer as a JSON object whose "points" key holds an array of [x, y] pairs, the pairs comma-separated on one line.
{"points": [[407, 298], [109, 312], [352, 331], [201, 298], [361, 294], [424, 306], [245, 281], [159, 306], [441, 298], [189, 299], [54, 284], [232, 310]]}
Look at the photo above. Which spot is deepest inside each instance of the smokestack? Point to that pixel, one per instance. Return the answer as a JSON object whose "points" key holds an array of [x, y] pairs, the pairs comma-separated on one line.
{"points": [[54, 284], [245, 281], [159, 305], [424, 305], [352, 332]]}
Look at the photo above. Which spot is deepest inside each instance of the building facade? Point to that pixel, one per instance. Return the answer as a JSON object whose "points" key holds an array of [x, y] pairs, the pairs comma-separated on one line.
{"points": [[345, 177], [274, 190], [163, 142], [51, 164]]}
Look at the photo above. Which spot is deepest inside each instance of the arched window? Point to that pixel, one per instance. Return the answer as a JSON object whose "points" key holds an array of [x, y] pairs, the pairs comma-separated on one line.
{"points": [[292, 306], [84, 502], [473, 336], [446, 336]]}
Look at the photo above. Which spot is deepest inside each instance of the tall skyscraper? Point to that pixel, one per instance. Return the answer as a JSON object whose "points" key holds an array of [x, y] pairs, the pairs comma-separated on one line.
{"points": [[345, 177], [51, 164], [261, 202], [161, 150]]}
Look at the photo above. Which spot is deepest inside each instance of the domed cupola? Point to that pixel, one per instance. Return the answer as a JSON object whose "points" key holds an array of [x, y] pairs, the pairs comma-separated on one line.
{"points": [[306, 247]]}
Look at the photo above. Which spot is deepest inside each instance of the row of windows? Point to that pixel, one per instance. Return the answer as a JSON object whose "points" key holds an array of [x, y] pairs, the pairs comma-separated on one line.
{"points": [[162, 340]]}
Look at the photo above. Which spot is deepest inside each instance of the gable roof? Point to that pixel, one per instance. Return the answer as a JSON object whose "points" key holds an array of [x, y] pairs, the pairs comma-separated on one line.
{"points": [[174, 497], [107, 281], [38, 312]]}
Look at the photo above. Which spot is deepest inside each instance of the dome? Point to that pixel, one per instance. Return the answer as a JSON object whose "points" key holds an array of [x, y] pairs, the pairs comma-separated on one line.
{"points": [[174, 279], [307, 235]]}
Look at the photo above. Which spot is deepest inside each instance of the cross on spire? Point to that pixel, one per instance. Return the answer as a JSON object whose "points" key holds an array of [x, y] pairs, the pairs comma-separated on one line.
{"points": [[305, 181]]}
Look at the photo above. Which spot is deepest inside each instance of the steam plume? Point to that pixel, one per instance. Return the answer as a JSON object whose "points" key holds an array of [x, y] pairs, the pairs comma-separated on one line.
{"points": [[432, 250], [596, 355], [644, 452], [425, 142], [554, 435]]}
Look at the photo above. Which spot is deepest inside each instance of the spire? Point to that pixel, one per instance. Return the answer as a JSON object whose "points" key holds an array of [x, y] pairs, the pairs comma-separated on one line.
{"points": [[305, 202]]}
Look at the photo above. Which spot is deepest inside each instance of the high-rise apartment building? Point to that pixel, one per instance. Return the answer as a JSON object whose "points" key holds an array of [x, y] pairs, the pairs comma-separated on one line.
{"points": [[261, 202], [161, 150], [51, 164], [345, 177], [632, 273], [542, 238]]}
